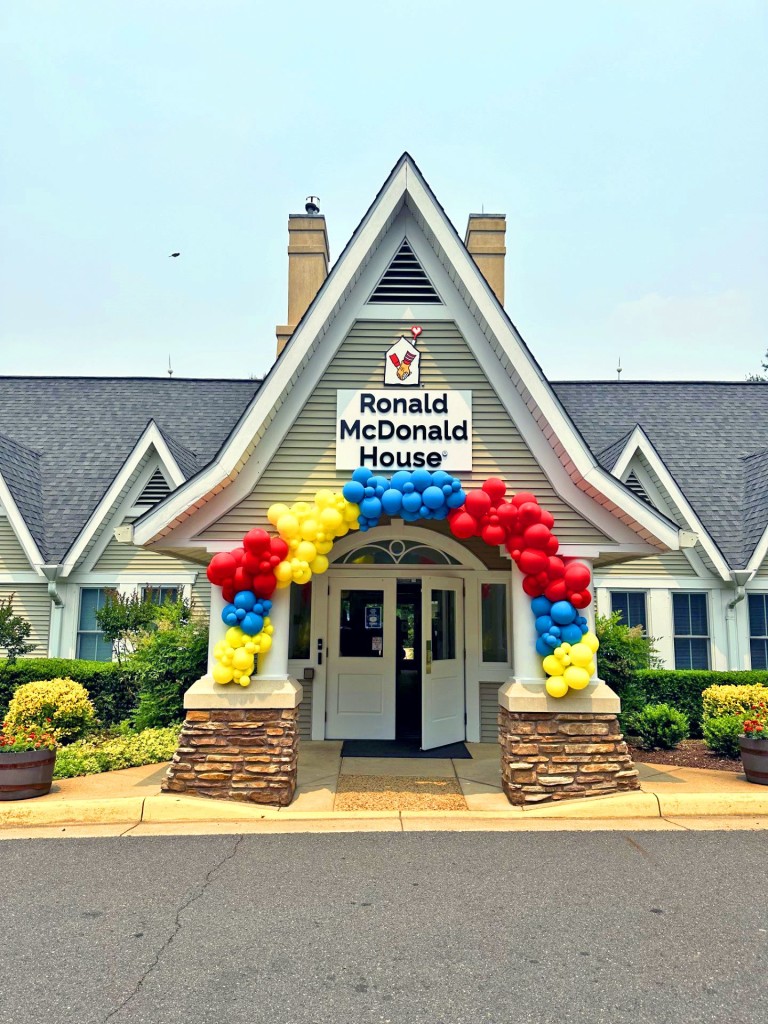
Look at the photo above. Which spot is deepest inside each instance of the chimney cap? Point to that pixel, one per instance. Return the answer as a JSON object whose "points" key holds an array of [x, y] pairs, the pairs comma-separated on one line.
{"points": [[312, 205]]}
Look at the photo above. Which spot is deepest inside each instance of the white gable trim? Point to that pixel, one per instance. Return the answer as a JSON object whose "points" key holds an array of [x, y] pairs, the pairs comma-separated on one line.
{"points": [[290, 371], [760, 553], [20, 528], [150, 439], [639, 442]]}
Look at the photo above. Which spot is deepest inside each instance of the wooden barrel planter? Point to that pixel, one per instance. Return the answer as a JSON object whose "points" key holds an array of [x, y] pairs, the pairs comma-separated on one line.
{"points": [[754, 758], [26, 773]]}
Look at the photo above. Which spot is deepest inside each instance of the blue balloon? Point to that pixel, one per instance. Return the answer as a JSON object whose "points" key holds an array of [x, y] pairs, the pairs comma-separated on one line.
{"points": [[555, 631], [441, 513], [541, 605], [442, 479], [543, 624], [580, 620], [362, 475], [421, 479], [252, 624], [229, 615], [570, 634], [424, 512], [400, 479], [379, 483], [412, 501], [456, 499], [410, 517], [563, 612], [433, 497], [353, 491], [392, 501], [551, 641], [408, 488], [542, 646], [371, 508], [245, 599]]}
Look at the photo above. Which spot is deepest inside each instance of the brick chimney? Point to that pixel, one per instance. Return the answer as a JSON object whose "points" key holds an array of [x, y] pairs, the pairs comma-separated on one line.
{"points": [[307, 266], [485, 241]]}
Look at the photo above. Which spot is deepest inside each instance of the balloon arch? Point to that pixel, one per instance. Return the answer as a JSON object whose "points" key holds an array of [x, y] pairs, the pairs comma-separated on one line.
{"points": [[304, 536]]}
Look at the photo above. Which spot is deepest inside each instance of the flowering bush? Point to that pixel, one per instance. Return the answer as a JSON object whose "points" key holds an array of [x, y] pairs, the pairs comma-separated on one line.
{"points": [[128, 750], [62, 702], [756, 727], [12, 742], [732, 700]]}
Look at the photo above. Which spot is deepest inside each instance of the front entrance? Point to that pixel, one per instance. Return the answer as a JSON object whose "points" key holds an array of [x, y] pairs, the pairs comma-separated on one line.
{"points": [[396, 659]]}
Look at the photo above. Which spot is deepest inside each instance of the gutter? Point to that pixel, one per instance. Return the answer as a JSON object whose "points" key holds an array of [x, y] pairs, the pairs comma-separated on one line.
{"points": [[52, 573]]}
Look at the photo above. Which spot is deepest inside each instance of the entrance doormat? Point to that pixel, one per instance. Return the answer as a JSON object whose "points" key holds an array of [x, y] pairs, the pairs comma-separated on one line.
{"points": [[402, 748]]}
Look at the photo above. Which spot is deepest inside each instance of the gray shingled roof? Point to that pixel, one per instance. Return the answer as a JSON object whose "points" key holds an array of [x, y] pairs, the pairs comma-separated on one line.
{"points": [[66, 438], [711, 436]]}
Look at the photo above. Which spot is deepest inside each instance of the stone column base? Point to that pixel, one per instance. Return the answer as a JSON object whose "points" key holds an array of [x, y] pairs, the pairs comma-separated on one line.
{"points": [[246, 754], [554, 756]]}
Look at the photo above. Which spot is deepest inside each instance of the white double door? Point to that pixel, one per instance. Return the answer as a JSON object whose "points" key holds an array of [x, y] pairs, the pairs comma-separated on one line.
{"points": [[362, 659]]}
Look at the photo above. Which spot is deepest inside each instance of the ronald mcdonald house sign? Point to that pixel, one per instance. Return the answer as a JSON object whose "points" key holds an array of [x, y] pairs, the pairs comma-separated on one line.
{"points": [[383, 430]]}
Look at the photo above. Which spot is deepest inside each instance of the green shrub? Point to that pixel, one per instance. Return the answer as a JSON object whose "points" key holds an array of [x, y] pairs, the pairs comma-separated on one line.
{"points": [[683, 689], [721, 734], [730, 699], [89, 757], [61, 706], [624, 651], [659, 725], [113, 691], [164, 665], [14, 632]]}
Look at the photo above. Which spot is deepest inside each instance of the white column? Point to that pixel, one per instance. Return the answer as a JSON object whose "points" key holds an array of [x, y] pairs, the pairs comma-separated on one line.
{"points": [[216, 627], [526, 661], [274, 664]]}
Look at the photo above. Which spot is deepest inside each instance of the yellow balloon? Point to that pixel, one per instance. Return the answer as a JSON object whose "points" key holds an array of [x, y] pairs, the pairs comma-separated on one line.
{"points": [[581, 655], [323, 547], [556, 687], [306, 552], [287, 526], [234, 636], [592, 669], [242, 661], [221, 674], [319, 564], [577, 678], [275, 511], [264, 643], [343, 530], [219, 650], [591, 641], [552, 665], [309, 528], [284, 572], [244, 680], [351, 512], [283, 584], [324, 498], [300, 509], [330, 519]]}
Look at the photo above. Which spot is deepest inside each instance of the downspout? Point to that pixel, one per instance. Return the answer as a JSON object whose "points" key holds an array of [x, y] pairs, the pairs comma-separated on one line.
{"points": [[740, 578], [52, 573]]}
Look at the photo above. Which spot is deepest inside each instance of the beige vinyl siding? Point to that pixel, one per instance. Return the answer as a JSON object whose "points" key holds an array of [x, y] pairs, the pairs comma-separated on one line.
{"points": [[12, 555], [671, 564], [305, 461], [763, 570], [117, 558], [489, 712], [201, 596], [31, 602], [305, 712]]}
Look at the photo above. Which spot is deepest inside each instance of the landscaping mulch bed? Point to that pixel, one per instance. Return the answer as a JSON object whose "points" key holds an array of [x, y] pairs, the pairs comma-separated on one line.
{"points": [[689, 754], [399, 793]]}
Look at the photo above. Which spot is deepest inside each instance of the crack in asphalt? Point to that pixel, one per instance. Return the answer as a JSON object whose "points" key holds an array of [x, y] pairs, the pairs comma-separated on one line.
{"points": [[177, 924]]}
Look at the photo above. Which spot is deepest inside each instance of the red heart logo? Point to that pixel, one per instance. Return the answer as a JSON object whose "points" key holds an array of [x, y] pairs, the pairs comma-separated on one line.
{"points": [[415, 331]]}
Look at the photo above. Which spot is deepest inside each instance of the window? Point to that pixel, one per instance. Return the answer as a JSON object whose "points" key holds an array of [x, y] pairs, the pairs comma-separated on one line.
{"points": [[90, 640], [631, 604], [160, 594], [691, 630], [493, 612], [301, 615], [758, 630]]}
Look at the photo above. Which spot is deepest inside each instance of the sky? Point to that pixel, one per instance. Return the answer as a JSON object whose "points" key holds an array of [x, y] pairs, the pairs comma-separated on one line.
{"points": [[626, 142]]}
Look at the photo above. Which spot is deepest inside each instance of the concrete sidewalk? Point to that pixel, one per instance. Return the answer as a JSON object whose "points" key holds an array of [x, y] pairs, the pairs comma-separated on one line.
{"points": [[130, 801]]}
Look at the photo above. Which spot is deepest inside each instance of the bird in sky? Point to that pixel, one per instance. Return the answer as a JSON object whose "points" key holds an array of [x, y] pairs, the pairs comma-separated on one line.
{"points": [[174, 254]]}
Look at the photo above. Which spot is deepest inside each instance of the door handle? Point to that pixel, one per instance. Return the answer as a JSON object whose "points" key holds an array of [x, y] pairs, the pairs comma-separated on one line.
{"points": [[429, 657]]}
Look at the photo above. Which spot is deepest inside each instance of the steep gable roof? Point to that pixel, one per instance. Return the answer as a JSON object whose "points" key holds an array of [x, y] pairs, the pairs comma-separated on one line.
{"points": [[66, 438]]}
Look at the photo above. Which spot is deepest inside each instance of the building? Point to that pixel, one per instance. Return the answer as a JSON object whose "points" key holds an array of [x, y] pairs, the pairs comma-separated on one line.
{"points": [[660, 488]]}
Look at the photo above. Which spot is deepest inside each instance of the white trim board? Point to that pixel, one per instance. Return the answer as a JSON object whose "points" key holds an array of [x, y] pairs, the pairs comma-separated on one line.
{"points": [[20, 528]]}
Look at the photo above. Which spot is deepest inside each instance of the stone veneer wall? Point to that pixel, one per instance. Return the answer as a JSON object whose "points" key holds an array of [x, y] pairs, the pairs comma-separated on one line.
{"points": [[249, 755], [553, 756]]}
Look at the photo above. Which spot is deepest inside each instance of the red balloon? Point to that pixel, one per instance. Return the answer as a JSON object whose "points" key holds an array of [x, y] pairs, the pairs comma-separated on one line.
{"points": [[278, 547], [252, 562], [228, 591], [532, 587], [242, 580], [537, 536], [221, 568], [556, 590], [507, 513], [478, 504], [264, 584], [532, 561], [523, 498], [581, 599], [577, 576], [547, 518], [553, 545], [496, 488], [256, 541], [529, 514], [463, 526], [493, 535], [556, 568], [238, 554]]}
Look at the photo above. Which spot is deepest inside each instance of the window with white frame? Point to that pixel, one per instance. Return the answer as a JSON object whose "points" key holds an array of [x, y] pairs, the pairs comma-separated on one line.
{"points": [[691, 622], [161, 594], [632, 605], [494, 603], [91, 644], [758, 630]]}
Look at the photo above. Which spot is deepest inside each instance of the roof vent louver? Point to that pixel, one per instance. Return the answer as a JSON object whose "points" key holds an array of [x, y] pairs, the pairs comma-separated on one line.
{"points": [[637, 488], [404, 280], [156, 489]]}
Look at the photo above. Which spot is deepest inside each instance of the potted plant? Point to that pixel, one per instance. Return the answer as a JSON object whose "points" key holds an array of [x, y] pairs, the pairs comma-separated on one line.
{"points": [[27, 758], [754, 745]]}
